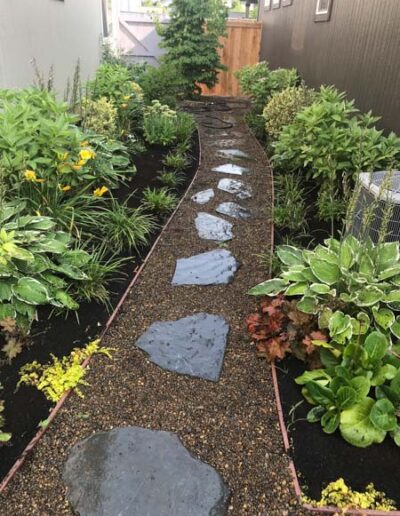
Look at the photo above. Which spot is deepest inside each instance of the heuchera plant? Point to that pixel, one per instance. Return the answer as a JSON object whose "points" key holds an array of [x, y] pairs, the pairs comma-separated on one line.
{"points": [[352, 290]]}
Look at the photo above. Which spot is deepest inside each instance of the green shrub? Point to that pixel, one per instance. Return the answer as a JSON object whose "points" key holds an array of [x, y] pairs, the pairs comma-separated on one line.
{"points": [[100, 116], [159, 124], [192, 40], [259, 82], [159, 200], [163, 83], [185, 127], [283, 107]]}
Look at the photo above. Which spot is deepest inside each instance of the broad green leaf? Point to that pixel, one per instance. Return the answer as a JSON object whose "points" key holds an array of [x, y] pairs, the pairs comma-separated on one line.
{"points": [[384, 317], [366, 265], [296, 289], [383, 415], [76, 257], [66, 300], [25, 309], [389, 273], [393, 296], [346, 397], [369, 296], [330, 421], [315, 414], [290, 255], [387, 255], [319, 375], [395, 328], [31, 291], [270, 287], [308, 305], [362, 386], [6, 289], [376, 345], [346, 255], [319, 394], [328, 358], [324, 318], [383, 373], [360, 324], [324, 254], [356, 426], [320, 288], [395, 435], [384, 391], [70, 271], [326, 272], [7, 310], [295, 273]]}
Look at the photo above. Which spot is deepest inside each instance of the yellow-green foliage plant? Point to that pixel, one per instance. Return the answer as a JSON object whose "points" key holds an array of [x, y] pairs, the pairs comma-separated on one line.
{"points": [[55, 379], [338, 494], [4, 436], [283, 107], [100, 116]]}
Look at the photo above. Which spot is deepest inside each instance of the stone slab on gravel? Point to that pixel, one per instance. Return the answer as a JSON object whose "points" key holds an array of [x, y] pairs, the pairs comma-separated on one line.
{"points": [[230, 168], [204, 196], [235, 187], [233, 210], [134, 471], [211, 227], [234, 153], [216, 267], [193, 345]]}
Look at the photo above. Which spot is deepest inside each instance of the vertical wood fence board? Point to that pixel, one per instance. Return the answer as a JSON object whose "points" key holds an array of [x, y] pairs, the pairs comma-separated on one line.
{"points": [[241, 47]]}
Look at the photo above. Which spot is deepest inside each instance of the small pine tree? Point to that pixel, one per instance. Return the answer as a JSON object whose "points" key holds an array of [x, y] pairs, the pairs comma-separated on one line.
{"points": [[192, 41]]}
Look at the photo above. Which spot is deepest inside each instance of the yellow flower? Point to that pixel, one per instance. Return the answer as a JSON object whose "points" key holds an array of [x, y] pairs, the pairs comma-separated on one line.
{"points": [[76, 167], [99, 192], [82, 162], [64, 188], [86, 154], [127, 97], [38, 213], [30, 175]]}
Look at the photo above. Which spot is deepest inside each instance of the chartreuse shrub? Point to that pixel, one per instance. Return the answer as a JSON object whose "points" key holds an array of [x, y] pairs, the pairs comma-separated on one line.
{"points": [[100, 116], [191, 40], [283, 107], [352, 289], [338, 494], [55, 379]]}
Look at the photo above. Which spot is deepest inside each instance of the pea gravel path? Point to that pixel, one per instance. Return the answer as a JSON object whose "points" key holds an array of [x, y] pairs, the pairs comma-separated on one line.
{"points": [[232, 424]]}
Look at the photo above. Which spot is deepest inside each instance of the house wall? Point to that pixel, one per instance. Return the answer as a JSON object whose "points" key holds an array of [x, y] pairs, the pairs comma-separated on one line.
{"points": [[54, 32], [358, 50]]}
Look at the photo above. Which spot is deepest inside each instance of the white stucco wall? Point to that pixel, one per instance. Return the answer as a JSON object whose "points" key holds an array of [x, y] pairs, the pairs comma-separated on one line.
{"points": [[54, 32]]}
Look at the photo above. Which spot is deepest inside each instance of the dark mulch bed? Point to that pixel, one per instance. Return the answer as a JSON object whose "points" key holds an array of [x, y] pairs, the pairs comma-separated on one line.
{"points": [[232, 424], [26, 407]]}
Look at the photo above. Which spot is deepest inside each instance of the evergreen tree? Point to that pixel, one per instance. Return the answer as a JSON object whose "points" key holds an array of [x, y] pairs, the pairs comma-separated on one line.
{"points": [[192, 41]]}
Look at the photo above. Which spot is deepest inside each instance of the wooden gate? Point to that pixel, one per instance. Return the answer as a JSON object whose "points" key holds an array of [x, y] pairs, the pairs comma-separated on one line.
{"points": [[241, 47]]}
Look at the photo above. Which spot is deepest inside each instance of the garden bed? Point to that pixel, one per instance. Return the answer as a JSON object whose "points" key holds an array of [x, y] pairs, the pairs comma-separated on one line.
{"points": [[26, 407]]}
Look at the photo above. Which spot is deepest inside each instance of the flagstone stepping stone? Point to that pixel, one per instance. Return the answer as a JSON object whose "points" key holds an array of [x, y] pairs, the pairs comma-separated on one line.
{"points": [[216, 267], [235, 187], [203, 196], [233, 210], [134, 471], [194, 345], [234, 153], [211, 227], [230, 168]]}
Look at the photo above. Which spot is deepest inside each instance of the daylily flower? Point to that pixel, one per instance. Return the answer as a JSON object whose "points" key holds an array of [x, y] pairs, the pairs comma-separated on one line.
{"points": [[86, 154], [99, 192], [30, 175], [65, 188]]}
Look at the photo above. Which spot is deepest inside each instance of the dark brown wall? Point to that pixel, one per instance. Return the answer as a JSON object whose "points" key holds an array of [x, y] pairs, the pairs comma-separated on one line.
{"points": [[358, 50]]}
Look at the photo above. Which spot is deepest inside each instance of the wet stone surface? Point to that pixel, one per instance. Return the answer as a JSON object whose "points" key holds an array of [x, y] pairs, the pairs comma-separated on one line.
{"points": [[194, 345], [203, 197], [232, 209], [216, 267], [230, 168], [134, 471], [234, 153], [211, 227], [235, 187]]}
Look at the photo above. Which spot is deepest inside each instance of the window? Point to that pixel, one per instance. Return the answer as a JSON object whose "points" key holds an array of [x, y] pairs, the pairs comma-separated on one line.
{"points": [[323, 10]]}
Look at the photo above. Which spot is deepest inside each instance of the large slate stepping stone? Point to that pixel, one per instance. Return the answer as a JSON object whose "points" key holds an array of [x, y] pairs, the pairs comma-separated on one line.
{"points": [[235, 187], [194, 345], [233, 210], [234, 153], [230, 168], [134, 471], [211, 227], [216, 267], [203, 196]]}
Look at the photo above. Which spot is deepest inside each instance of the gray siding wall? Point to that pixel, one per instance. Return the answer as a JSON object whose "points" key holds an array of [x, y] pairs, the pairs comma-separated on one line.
{"points": [[53, 32], [358, 50]]}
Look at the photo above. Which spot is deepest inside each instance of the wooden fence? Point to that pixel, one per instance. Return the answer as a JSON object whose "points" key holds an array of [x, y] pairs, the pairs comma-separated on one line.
{"points": [[241, 47]]}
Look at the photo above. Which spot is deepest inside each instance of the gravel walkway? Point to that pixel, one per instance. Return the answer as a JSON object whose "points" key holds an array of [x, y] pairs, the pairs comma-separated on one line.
{"points": [[232, 424]]}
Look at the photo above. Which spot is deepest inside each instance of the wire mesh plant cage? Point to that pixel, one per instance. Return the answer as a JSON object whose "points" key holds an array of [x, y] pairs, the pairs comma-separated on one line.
{"points": [[372, 193]]}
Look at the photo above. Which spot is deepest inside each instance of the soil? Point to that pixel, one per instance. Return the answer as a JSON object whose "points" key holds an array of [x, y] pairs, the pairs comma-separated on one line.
{"points": [[26, 407], [322, 458], [231, 424]]}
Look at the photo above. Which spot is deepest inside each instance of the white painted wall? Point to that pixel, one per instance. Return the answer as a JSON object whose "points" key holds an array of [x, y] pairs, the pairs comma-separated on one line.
{"points": [[54, 32]]}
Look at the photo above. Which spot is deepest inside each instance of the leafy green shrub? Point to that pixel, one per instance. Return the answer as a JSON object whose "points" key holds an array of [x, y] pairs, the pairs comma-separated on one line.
{"points": [[163, 83], [159, 200], [352, 288], [185, 127], [259, 82], [100, 116], [284, 106], [192, 39], [159, 125]]}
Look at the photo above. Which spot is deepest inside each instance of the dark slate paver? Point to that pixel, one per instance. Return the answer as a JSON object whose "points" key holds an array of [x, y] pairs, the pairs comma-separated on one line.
{"points": [[216, 267], [134, 471], [204, 196], [211, 227], [230, 168], [233, 210], [194, 345], [234, 153], [235, 187]]}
